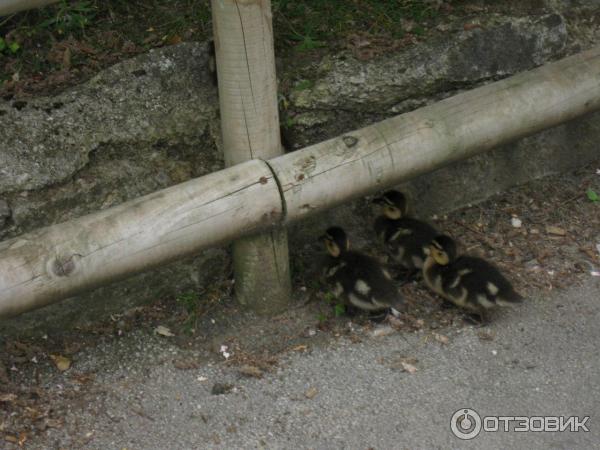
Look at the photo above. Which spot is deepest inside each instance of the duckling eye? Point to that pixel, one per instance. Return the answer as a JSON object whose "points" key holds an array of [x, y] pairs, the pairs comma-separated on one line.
{"points": [[392, 212]]}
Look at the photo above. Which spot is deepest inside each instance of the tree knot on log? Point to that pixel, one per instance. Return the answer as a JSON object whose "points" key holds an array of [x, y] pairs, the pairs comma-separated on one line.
{"points": [[63, 265], [350, 141]]}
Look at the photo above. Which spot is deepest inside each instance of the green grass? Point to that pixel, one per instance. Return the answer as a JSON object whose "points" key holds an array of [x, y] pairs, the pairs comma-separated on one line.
{"points": [[309, 24], [95, 34], [189, 301], [73, 39]]}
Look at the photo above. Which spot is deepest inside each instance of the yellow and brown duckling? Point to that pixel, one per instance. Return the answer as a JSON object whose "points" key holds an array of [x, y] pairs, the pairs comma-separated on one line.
{"points": [[467, 281], [358, 279], [405, 238]]}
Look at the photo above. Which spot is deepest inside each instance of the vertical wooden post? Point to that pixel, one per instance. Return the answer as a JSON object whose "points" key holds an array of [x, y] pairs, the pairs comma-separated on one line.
{"points": [[243, 36]]}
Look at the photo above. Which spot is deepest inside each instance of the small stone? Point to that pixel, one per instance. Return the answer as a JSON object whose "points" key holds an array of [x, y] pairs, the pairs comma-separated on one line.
{"points": [[516, 222]]}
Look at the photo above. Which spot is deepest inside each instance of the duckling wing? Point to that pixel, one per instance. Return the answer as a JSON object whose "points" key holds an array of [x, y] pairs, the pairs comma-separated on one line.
{"points": [[485, 283], [366, 284], [406, 239]]}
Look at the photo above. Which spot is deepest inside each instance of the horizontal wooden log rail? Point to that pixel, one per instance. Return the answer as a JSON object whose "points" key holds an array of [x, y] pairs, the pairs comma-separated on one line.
{"points": [[60, 261]]}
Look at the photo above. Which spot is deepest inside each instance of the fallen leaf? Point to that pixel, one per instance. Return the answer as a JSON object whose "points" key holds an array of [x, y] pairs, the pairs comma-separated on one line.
{"points": [[176, 39], [485, 335], [395, 322], [185, 364], [8, 397], [62, 363], [441, 338], [311, 392], [471, 26], [50, 423], [300, 348], [558, 231], [163, 331], [10, 438], [407, 367], [83, 378], [66, 59], [382, 331], [250, 371], [53, 423]]}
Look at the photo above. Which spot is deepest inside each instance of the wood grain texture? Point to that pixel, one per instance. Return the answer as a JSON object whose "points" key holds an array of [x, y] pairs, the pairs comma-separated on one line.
{"points": [[394, 150], [243, 35], [62, 260]]}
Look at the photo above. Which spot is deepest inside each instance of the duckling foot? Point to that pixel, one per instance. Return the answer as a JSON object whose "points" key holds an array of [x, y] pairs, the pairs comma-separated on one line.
{"points": [[378, 317], [478, 320]]}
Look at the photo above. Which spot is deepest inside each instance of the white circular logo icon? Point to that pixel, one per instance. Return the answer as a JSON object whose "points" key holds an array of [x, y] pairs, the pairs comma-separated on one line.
{"points": [[465, 423]]}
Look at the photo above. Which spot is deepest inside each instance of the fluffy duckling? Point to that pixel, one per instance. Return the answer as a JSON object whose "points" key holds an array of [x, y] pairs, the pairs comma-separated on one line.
{"points": [[405, 238], [357, 279], [467, 281]]}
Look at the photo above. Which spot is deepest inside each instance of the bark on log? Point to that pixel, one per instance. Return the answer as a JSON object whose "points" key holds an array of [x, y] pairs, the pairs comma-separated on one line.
{"points": [[243, 35], [65, 259], [384, 154]]}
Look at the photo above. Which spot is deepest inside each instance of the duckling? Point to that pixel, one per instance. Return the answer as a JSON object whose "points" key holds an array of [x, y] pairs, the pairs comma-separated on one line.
{"points": [[357, 279], [404, 237], [467, 281]]}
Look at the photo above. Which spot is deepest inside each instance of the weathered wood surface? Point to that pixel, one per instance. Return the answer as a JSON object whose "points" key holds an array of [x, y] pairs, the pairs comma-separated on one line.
{"points": [[62, 260], [243, 36], [12, 6], [394, 150]]}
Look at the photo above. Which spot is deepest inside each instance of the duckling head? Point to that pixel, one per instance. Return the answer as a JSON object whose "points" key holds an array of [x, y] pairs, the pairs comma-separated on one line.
{"points": [[442, 249], [394, 204], [336, 241]]}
